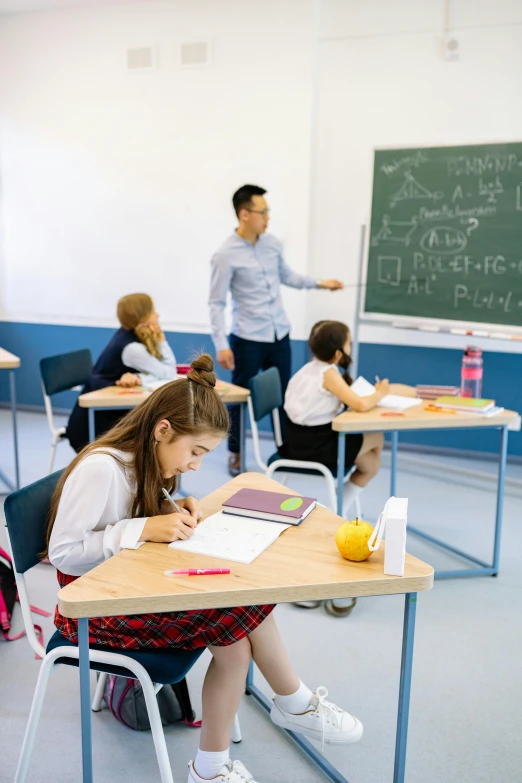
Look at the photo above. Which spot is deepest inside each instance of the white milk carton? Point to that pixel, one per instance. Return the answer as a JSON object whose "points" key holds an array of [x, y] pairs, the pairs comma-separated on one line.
{"points": [[393, 521]]}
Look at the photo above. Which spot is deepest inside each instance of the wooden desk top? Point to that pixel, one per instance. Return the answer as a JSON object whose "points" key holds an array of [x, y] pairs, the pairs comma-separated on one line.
{"points": [[415, 418], [114, 396], [8, 361], [302, 564]]}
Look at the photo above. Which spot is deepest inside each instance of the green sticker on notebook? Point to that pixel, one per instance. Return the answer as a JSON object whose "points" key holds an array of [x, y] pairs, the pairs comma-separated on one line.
{"points": [[291, 504]]}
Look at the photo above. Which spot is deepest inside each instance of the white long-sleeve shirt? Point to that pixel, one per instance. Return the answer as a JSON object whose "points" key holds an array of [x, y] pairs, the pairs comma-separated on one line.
{"points": [[149, 368], [93, 520]]}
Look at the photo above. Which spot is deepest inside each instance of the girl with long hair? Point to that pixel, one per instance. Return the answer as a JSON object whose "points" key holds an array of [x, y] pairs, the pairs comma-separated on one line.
{"points": [[110, 498]]}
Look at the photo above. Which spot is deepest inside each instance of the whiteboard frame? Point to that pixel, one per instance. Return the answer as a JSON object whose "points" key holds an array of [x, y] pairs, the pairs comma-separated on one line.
{"points": [[418, 322]]}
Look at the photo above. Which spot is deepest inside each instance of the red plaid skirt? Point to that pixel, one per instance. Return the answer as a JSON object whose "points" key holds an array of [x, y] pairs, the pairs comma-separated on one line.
{"points": [[187, 630]]}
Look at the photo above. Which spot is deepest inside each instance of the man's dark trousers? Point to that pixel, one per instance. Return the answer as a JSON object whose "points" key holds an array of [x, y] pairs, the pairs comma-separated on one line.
{"points": [[250, 357]]}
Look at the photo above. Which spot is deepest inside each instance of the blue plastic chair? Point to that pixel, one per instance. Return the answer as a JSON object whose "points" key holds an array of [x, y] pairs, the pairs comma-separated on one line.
{"points": [[26, 516], [67, 371], [266, 397]]}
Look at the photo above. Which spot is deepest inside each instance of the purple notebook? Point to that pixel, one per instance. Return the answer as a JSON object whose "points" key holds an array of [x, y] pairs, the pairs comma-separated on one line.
{"points": [[270, 506]]}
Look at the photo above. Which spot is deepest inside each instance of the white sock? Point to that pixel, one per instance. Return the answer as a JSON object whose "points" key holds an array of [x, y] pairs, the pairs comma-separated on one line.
{"points": [[297, 702], [351, 492], [208, 763]]}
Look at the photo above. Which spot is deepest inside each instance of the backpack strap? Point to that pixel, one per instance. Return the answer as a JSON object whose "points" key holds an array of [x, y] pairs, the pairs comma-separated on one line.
{"points": [[5, 622]]}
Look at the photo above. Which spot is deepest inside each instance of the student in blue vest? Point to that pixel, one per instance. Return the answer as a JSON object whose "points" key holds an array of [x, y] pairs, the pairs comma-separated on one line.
{"points": [[137, 354]]}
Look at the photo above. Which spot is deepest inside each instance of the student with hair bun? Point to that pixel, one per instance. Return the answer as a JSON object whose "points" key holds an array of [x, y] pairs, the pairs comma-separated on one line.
{"points": [[109, 499], [137, 353]]}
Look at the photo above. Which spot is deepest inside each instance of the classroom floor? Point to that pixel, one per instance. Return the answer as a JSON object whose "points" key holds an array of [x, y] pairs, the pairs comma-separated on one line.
{"points": [[465, 719]]}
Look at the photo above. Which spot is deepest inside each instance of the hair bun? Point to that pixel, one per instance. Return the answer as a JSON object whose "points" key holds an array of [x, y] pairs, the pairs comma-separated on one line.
{"points": [[202, 371]]}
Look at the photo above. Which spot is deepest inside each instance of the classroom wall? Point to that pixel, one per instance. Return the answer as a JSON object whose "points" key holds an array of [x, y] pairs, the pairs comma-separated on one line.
{"points": [[114, 182]]}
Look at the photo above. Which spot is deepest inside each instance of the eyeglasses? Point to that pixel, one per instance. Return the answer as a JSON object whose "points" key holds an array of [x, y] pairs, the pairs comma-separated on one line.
{"points": [[264, 212]]}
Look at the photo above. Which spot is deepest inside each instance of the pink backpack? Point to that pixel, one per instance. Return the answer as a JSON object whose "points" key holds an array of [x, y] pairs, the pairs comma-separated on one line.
{"points": [[8, 598]]}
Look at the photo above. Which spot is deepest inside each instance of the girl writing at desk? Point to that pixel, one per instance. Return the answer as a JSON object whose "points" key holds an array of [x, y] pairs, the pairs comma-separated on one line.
{"points": [[110, 498], [318, 393], [137, 354]]}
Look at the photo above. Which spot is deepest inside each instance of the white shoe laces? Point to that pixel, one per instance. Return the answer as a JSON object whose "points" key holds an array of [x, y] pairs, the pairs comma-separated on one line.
{"points": [[239, 772], [330, 714]]}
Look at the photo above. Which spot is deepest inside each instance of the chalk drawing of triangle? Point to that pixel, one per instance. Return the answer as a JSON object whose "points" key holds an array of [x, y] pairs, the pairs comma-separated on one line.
{"points": [[411, 189]]}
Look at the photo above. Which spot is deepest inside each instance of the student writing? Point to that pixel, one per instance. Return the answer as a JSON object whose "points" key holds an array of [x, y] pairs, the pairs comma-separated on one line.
{"points": [[317, 393], [110, 498]]}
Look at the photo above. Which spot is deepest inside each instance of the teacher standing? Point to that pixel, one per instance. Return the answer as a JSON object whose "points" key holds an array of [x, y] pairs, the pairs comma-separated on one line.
{"points": [[250, 265]]}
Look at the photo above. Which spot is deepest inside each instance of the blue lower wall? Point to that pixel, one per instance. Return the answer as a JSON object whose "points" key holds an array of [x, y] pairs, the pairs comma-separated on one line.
{"points": [[502, 372]]}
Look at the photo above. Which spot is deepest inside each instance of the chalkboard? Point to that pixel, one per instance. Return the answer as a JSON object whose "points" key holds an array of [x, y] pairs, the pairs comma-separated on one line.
{"points": [[445, 239]]}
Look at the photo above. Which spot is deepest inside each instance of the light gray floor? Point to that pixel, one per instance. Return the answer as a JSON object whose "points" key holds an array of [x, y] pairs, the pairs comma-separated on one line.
{"points": [[466, 714]]}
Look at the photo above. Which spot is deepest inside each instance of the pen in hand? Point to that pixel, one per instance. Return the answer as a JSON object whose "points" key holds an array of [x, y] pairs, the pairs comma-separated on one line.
{"points": [[171, 501], [377, 379]]}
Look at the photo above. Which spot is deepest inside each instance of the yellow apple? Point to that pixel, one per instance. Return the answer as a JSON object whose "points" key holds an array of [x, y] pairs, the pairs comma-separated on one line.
{"points": [[352, 539]]}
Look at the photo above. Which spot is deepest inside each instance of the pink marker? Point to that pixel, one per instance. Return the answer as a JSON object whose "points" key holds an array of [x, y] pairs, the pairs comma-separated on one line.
{"points": [[197, 572]]}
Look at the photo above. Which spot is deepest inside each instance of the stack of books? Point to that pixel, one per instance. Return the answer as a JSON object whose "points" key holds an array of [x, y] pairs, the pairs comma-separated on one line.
{"points": [[431, 392], [269, 506], [473, 405]]}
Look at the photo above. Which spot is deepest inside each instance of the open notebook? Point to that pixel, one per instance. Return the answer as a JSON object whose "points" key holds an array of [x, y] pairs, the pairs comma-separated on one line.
{"points": [[231, 537], [363, 388]]}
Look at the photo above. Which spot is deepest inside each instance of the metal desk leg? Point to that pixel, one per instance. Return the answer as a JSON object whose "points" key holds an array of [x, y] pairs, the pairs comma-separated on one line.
{"points": [[341, 448], [242, 438], [85, 699], [405, 686], [500, 497], [92, 432], [394, 449], [12, 385]]}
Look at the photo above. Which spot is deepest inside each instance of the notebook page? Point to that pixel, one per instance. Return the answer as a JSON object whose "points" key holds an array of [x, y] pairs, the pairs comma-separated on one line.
{"points": [[397, 402], [231, 537]]}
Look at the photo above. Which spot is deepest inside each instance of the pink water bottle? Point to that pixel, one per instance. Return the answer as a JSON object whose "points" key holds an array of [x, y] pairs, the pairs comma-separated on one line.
{"points": [[471, 372]]}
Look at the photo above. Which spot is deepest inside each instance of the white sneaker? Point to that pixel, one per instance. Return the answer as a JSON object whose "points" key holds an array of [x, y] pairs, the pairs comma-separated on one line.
{"points": [[231, 772], [322, 721]]}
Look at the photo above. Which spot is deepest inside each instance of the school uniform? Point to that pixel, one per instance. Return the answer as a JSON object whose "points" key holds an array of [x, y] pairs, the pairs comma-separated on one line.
{"points": [[310, 410], [94, 523], [124, 353]]}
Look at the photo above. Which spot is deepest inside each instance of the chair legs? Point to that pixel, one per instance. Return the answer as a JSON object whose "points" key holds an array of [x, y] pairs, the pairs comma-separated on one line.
{"points": [[149, 692], [235, 735], [34, 718], [158, 734], [98, 694], [52, 456]]}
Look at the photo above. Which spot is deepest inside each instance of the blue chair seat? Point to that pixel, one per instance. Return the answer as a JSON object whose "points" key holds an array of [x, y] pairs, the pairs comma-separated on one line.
{"points": [[164, 665], [309, 471]]}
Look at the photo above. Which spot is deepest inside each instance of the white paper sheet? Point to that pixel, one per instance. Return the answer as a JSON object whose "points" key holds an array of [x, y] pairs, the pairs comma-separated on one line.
{"points": [[397, 402], [231, 537]]}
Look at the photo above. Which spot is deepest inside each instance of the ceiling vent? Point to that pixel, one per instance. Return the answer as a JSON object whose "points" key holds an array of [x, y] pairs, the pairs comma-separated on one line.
{"points": [[141, 58], [196, 54]]}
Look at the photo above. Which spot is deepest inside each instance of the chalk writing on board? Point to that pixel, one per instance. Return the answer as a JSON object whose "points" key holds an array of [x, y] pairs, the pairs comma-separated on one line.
{"points": [[477, 165], [411, 189], [395, 230], [490, 189], [391, 166], [389, 270], [444, 240], [480, 298]]}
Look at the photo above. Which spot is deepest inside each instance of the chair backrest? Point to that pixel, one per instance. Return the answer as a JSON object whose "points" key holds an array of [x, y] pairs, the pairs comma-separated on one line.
{"points": [[26, 514], [266, 392], [65, 371]]}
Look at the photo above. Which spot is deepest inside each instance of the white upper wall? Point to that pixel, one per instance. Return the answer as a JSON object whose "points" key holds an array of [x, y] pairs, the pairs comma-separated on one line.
{"points": [[113, 182]]}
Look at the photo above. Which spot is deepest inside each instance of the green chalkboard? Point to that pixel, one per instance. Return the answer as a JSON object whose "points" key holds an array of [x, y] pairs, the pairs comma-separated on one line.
{"points": [[445, 238]]}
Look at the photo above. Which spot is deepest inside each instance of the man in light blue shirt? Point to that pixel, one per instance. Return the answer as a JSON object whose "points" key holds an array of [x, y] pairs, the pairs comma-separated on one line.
{"points": [[250, 265]]}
